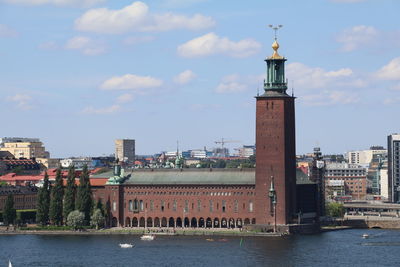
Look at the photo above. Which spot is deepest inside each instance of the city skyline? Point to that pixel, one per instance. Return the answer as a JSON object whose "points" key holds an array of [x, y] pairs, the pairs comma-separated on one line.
{"points": [[77, 79]]}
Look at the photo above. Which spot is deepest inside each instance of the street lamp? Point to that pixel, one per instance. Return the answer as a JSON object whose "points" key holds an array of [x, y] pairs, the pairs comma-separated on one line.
{"points": [[273, 200]]}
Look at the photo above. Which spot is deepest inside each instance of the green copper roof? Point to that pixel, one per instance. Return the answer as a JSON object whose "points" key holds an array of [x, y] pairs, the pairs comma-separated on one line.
{"points": [[192, 176]]}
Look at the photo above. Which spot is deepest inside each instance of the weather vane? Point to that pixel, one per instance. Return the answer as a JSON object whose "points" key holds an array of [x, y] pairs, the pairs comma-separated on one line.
{"points": [[275, 28]]}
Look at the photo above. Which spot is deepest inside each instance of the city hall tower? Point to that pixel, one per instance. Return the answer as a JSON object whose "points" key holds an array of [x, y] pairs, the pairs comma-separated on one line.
{"points": [[275, 146]]}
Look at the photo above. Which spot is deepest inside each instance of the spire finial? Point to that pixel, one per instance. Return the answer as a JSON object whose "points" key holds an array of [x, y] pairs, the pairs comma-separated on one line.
{"points": [[275, 28], [275, 44]]}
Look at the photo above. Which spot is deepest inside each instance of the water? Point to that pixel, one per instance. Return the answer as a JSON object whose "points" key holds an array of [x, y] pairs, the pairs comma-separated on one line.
{"points": [[339, 248]]}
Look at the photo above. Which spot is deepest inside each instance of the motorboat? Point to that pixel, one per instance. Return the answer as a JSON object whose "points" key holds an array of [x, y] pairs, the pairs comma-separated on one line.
{"points": [[147, 237], [126, 245], [365, 236]]}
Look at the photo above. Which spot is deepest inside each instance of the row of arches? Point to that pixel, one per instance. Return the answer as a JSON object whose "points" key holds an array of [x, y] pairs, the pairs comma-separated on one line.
{"points": [[186, 222]]}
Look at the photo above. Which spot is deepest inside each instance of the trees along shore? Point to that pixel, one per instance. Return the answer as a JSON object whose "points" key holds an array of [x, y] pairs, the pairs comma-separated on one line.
{"points": [[72, 206]]}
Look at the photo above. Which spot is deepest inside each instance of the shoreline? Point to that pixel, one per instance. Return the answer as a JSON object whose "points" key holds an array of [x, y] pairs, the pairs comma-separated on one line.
{"points": [[177, 232], [168, 232]]}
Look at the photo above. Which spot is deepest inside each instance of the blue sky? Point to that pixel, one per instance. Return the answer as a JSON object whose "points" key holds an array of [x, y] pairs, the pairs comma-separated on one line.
{"points": [[80, 73]]}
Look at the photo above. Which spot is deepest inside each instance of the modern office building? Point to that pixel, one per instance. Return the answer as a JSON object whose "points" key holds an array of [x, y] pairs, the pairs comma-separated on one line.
{"points": [[125, 150], [394, 167]]}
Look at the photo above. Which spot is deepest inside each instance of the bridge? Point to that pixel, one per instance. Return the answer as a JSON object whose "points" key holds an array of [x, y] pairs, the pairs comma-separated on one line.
{"points": [[372, 215]]}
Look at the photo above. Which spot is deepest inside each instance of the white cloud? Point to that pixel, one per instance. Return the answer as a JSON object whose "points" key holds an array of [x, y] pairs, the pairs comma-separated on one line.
{"points": [[50, 45], [85, 45], [233, 83], [125, 98], [106, 110], [6, 31], [327, 98], [136, 17], [313, 78], [185, 77], [23, 101], [138, 40], [396, 87], [77, 3], [391, 71], [357, 36], [316, 86], [391, 101], [131, 82], [211, 44]]}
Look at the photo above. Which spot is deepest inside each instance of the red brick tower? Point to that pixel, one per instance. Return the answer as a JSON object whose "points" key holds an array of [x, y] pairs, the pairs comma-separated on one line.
{"points": [[275, 147]]}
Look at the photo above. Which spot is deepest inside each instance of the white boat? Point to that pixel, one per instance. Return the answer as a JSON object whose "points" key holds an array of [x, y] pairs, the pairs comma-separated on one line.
{"points": [[147, 237], [9, 263], [126, 245], [365, 236]]}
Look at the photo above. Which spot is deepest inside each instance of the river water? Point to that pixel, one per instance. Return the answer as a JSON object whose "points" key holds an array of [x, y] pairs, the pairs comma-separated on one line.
{"points": [[338, 248]]}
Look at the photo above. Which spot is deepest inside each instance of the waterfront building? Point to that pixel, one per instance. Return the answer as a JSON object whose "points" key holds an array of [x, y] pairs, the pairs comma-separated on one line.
{"points": [[275, 145], [213, 198], [24, 196], [394, 167], [271, 197], [125, 150], [27, 148], [384, 181], [354, 177]]}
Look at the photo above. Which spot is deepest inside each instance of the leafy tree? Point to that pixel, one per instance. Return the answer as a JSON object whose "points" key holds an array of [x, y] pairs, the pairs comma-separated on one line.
{"points": [[76, 219], [100, 206], [84, 195], [56, 201], [220, 164], [334, 209], [108, 212], [43, 202], [9, 213], [70, 191], [97, 219]]}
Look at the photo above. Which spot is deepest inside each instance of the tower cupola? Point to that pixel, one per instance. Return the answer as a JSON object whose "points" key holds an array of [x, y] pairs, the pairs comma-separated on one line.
{"points": [[275, 81]]}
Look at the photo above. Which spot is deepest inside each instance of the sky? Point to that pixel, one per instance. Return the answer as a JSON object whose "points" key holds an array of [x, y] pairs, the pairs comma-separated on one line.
{"points": [[80, 73]]}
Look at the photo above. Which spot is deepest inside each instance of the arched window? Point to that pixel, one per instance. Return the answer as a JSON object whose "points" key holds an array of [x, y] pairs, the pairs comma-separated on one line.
{"points": [[130, 205], [236, 206], [114, 206], [250, 206], [186, 205], [141, 205], [174, 205], [211, 206], [199, 205], [223, 205], [135, 205]]}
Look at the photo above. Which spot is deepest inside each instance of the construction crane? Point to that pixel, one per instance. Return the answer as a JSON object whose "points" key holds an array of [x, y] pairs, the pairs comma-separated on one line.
{"points": [[223, 141]]}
